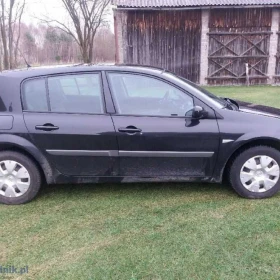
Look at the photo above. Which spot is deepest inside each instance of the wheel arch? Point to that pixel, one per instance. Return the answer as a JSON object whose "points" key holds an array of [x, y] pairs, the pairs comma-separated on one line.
{"points": [[21, 145], [270, 142]]}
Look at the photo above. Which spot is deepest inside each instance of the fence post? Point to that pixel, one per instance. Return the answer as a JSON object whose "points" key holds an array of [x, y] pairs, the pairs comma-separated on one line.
{"points": [[273, 45], [205, 15], [247, 74]]}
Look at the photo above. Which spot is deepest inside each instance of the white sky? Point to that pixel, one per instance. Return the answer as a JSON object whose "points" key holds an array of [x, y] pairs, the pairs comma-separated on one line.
{"points": [[51, 8]]}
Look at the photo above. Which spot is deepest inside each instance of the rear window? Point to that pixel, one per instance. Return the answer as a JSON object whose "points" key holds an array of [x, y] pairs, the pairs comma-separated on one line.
{"points": [[64, 93], [76, 94], [35, 95]]}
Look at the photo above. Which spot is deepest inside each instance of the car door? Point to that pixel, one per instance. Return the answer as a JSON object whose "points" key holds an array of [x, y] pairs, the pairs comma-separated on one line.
{"points": [[154, 135], [66, 118]]}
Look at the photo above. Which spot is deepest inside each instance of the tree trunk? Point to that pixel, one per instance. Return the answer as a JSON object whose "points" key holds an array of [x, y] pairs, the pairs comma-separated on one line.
{"points": [[16, 47], [11, 34], [84, 52], [4, 37], [5, 49], [90, 55], [1, 57]]}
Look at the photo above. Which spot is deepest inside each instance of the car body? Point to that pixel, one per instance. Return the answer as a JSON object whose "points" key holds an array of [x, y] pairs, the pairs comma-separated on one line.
{"points": [[91, 124]]}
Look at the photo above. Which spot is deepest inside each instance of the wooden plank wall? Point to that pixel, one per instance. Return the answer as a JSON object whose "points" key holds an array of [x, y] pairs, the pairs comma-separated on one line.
{"points": [[239, 36], [167, 39], [277, 70]]}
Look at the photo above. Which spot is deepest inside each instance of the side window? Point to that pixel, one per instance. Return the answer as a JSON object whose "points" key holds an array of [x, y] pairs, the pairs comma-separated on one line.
{"points": [[147, 96], [76, 94], [35, 95]]}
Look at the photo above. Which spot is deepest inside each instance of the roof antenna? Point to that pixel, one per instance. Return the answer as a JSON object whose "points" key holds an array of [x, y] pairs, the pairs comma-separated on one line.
{"points": [[27, 64]]}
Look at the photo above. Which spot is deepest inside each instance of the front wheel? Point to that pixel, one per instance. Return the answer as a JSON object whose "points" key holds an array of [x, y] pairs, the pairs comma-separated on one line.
{"points": [[255, 172], [20, 178]]}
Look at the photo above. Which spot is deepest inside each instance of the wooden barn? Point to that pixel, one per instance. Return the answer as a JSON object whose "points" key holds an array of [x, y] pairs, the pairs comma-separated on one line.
{"points": [[213, 42]]}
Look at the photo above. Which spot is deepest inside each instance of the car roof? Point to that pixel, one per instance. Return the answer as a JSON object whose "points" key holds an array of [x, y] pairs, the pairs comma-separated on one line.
{"points": [[53, 70]]}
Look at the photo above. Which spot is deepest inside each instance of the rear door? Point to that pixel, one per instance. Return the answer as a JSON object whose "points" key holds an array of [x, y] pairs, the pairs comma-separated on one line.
{"points": [[66, 118]]}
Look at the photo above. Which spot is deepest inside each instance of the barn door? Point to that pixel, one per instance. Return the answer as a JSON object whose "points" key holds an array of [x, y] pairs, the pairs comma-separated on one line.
{"points": [[277, 70], [238, 37], [166, 39]]}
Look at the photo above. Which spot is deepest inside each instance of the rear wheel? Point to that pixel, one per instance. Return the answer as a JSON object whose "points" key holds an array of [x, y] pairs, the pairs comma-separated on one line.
{"points": [[20, 179], [255, 172]]}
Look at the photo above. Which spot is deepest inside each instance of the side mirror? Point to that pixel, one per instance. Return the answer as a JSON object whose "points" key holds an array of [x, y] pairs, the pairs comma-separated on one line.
{"points": [[199, 112]]}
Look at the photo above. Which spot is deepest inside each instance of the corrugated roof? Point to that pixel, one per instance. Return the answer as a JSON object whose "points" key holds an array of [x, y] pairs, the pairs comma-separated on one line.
{"points": [[188, 3]]}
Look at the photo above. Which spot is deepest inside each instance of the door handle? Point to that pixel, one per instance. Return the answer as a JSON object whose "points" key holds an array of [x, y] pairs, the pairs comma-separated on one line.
{"points": [[46, 127], [130, 129]]}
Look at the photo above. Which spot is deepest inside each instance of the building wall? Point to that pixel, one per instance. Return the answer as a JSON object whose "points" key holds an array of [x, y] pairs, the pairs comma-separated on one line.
{"points": [[167, 39], [277, 39], [210, 46]]}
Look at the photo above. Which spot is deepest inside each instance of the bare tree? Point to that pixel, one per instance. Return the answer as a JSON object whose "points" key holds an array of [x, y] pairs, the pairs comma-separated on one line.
{"points": [[4, 36], [11, 12], [16, 41], [1, 53], [86, 16]]}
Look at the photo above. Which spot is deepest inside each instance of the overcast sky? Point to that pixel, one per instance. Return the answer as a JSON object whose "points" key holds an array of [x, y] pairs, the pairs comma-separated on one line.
{"points": [[50, 8]]}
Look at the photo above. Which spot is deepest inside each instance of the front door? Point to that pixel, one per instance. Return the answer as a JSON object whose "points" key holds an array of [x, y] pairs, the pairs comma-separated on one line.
{"points": [[65, 117], [154, 135]]}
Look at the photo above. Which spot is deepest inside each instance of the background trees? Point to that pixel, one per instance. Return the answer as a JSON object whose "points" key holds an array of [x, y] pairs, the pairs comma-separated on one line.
{"points": [[11, 12], [86, 37], [86, 16]]}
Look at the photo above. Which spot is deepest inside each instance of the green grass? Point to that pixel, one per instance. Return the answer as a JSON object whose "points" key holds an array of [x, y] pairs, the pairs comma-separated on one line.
{"points": [[264, 95], [145, 231]]}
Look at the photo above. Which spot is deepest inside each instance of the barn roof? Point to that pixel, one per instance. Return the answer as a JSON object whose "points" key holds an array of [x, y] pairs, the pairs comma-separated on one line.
{"points": [[190, 3]]}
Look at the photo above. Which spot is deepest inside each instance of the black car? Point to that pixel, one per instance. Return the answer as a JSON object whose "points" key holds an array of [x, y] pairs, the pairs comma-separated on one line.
{"points": [[91, 124]]}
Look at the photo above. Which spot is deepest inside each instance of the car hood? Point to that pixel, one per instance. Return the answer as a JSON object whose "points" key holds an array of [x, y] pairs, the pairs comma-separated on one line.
{"points": [[261, 110]]}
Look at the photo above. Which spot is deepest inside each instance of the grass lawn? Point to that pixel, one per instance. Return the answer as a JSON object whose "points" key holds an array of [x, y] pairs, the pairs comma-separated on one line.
{"points": [[262, 95], [146, 231]]}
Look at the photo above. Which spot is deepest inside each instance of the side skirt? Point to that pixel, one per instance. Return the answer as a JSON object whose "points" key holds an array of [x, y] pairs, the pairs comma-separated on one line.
{"points": [[61, 179]]}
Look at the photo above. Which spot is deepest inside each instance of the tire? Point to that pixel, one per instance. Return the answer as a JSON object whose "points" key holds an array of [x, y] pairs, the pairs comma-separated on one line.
{"points": [[265, 182], [31, 177]]}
